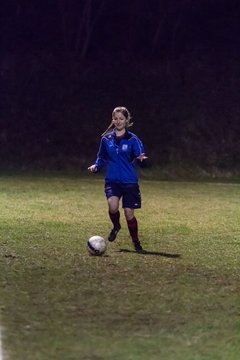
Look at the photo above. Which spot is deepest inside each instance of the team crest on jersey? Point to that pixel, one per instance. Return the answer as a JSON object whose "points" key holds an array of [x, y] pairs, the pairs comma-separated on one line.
{"points": [[124, 147]]}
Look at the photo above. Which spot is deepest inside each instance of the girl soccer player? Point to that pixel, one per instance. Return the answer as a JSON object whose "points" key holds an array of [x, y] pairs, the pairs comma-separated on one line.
{"points": [[119, 148]]}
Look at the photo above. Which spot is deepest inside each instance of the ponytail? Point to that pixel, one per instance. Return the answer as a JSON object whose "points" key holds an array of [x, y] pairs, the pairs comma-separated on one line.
{"points": [[108, 129]]}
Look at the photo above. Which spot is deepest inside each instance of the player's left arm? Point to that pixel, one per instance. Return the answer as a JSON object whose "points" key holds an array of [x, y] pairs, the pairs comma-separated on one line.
{"points": [[139, 152]]}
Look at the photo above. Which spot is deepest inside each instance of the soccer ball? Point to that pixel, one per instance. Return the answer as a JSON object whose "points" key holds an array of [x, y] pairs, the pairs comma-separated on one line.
{"points": [[96, 245]]}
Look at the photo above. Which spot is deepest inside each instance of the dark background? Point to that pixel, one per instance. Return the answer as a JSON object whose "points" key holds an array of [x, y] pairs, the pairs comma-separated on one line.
{"points": [[65, 64]]}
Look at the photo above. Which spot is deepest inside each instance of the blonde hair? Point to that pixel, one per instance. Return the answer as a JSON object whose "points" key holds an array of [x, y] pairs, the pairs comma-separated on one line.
{"points": [[125, 113]]}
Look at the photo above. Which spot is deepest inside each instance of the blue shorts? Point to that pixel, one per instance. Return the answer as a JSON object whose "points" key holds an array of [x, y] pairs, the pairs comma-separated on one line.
{"points": [[130, 194]]}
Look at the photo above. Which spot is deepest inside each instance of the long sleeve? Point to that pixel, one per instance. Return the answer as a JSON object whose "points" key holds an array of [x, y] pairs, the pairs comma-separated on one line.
{"points": [[138, 147], [101, 156]]}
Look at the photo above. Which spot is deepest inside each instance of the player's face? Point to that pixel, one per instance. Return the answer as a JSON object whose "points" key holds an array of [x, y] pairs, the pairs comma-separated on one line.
{"points": [[119, 121]]}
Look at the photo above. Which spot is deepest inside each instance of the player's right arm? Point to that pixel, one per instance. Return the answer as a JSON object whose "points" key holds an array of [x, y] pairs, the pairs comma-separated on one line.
{"points": [[101, 158]]}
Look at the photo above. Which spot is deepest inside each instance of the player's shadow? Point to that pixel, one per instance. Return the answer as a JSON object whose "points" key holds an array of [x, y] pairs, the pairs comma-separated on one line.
{"points": [[155, 253]]}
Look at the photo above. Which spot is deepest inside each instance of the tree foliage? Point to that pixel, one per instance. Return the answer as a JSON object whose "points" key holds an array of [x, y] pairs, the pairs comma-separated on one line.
{"points": [[66, 64]]}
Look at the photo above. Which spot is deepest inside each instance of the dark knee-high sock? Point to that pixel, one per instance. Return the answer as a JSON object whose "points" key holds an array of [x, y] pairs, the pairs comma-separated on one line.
{"points": [[115, 217], [133, 228]]}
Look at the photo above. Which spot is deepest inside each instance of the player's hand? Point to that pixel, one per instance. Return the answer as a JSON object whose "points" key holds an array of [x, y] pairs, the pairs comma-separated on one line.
{"points": [[142, 157], [93, 168]]}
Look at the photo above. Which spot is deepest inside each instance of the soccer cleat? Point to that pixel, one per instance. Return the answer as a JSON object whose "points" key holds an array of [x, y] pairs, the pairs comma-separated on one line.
{"points": [[113, 234], [138, 247]]}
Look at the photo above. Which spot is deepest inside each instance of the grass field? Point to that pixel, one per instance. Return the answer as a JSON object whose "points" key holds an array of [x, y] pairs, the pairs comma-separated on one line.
{"points": [[179, 301]]}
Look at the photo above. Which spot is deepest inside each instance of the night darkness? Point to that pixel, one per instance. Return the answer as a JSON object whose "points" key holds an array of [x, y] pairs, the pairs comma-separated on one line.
{"points": [[66, 64]]}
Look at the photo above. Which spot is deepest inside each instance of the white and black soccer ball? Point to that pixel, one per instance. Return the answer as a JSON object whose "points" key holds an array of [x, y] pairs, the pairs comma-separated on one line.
{"points": [[96, 245]]}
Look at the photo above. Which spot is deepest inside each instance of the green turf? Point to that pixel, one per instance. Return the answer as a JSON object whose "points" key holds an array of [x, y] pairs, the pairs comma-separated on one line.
{"points": [[179, 301]]}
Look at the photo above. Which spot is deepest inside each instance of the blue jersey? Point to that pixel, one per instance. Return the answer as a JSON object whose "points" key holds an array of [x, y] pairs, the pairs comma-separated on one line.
{"points": [[118, 155]]}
